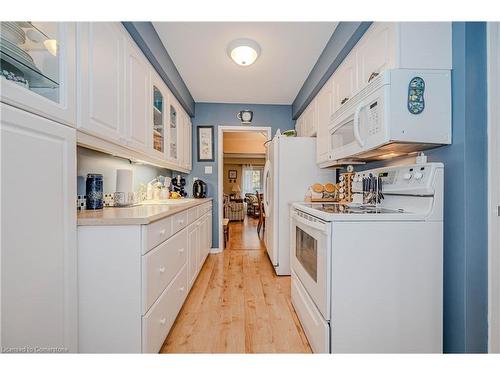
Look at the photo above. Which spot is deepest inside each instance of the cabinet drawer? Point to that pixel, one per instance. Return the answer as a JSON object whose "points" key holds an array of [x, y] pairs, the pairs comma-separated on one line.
{"points": [[157, 322], [192, 215], [179, 221], [316, 328], [157, 232], [160, 265]]}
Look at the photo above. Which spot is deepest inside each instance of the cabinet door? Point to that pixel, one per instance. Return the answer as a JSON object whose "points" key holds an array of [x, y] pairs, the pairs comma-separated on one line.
{"points": [[101, 80], [204, 241], [344, 81], [193, 248], [158, 125], [309, 123], [189, 144], [48, 68], [38, 258], [324, 104], [138, 99], [375, 52], [174, 129]]}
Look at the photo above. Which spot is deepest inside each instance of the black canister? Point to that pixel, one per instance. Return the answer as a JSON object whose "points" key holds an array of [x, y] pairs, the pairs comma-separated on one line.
{"points": [[94, 191]]}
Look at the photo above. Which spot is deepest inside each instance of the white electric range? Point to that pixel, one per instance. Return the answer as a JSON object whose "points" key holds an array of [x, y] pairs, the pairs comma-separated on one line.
{"points": [[369, 279]]}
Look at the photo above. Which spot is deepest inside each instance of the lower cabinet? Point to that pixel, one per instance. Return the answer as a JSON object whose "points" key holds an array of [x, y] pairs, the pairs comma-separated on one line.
{"points": [[134, 279]]}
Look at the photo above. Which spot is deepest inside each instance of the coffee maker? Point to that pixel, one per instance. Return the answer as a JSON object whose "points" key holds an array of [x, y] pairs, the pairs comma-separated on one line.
{"points": [[178, 184], [199, 189]]}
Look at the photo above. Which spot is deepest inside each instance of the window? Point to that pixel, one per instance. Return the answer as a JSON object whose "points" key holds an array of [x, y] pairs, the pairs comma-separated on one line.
{"points": [[252, 179]]}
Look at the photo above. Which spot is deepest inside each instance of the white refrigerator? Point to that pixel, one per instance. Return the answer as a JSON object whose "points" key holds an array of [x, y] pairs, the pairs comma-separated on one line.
{"points": [[289, 171]]}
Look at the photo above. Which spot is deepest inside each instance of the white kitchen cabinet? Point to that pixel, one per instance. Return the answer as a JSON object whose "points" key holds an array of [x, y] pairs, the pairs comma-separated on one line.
{"points": [[193, 252], [344, 83], [324, 112], [158, 120], [310, 120], [174, 125], [133, 279], [51, 90], [116, 101], [101, 80], [375, 52], [138, 99], [38, 225]]}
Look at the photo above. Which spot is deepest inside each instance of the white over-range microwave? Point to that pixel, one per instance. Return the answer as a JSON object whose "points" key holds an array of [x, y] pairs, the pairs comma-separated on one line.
{"points": [[401, 111]]}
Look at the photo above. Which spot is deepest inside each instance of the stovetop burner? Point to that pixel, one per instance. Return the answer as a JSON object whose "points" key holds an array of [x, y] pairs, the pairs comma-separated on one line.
{"points": [[336, 208]]}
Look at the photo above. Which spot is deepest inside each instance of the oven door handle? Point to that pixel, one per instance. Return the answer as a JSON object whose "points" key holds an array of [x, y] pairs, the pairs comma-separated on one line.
{"points": [[319, 226]]}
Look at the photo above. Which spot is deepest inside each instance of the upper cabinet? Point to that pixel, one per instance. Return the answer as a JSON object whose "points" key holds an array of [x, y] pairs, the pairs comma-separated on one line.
{"points": [[174, 129], [37, 65], [101, 78], [345, 82], [324, 112], [138, 99], [159, 119], [125, 108]]}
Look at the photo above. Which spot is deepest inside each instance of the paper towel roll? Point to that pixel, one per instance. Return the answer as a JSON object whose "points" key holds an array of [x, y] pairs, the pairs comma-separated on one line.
{"points": [[124, 179]]}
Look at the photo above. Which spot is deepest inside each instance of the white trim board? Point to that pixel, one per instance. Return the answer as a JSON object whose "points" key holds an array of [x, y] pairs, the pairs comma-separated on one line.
{"points": [[493, 80], [220, 168]]}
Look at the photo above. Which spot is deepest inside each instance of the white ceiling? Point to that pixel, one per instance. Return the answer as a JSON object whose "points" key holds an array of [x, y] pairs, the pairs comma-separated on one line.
{"points": [[289, 51]]}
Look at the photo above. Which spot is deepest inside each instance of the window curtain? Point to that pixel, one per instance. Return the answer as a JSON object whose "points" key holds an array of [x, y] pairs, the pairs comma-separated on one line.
{"points": [[252, 178]]}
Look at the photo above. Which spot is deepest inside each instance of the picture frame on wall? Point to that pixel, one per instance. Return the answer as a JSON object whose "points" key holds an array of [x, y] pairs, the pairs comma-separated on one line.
{"points": [[232, 174], [205, 143]]}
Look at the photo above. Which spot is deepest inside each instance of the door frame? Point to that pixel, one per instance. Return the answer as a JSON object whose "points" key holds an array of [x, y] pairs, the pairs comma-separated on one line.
{"points": [[493, 58], [220, 168]]}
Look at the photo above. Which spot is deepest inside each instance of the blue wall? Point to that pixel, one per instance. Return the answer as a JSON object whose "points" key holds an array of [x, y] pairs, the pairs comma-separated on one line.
{"points": [[465, 206], [343, 39], [275, 116]]}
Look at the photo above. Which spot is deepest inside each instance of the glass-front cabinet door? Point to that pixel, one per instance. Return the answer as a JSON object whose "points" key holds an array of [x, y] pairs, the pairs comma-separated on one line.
{"points": [[158, 129], [174, 131], [37, 65]]}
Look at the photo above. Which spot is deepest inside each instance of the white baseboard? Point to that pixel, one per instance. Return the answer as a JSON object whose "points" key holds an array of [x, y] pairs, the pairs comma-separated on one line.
{"points": [[215, 250]]}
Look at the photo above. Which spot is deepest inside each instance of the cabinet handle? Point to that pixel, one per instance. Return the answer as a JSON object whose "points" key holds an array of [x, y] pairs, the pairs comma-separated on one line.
{"points": [[180, 221], [163, 321], [181, 250], [162, 269], [344, 100], [162, 232], [372, 76], [181, 289]]}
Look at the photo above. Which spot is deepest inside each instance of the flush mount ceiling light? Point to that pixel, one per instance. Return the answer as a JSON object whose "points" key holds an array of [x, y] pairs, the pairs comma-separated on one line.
{"points": [[243, 52]]}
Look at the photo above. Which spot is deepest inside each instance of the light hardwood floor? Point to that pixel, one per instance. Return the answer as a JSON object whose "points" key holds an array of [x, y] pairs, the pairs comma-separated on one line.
{"points": [[238, 304]]}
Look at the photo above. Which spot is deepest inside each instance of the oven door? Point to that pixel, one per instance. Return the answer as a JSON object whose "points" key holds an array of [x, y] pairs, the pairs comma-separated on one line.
{"points": [[310, 240]]}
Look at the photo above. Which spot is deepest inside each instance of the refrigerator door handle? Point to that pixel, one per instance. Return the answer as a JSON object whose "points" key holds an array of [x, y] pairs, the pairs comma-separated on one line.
{"points": [[267, 170]]}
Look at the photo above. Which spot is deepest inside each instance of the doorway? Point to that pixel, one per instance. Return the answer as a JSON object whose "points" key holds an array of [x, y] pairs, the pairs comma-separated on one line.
{"points": [[493, 187], [241, 159]]}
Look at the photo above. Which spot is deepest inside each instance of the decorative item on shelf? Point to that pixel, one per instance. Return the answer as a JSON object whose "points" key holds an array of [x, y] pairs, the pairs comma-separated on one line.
{"points": [[245, 116], [206, 146], [94, 191]]}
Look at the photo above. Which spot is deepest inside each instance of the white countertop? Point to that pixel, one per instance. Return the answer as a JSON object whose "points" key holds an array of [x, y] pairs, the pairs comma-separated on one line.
{"points": [[141, 214]]}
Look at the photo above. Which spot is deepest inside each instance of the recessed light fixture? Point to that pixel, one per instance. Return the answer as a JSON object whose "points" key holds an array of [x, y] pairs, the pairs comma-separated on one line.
{"points": [[243, 52]]}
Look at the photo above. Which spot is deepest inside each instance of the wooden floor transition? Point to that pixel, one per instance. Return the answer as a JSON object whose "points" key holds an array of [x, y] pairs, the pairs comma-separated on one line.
{"points": [[238, 304]]}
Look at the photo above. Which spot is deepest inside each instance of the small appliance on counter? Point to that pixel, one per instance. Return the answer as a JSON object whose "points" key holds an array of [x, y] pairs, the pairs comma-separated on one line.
{"points": [[199, 189], [178, 184]]}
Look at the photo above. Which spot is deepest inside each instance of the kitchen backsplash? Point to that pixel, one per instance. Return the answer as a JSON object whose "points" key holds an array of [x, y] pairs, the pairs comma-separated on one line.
{"points": [[90, 161]]}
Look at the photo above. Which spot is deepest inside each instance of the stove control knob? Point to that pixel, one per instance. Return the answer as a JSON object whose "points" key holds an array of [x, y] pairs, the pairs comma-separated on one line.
{"points": [[418, 175], [407, 176]]}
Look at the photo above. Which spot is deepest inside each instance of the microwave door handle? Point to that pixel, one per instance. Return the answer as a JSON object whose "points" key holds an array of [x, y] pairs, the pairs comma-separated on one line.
{"points": [[356, 125]]}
